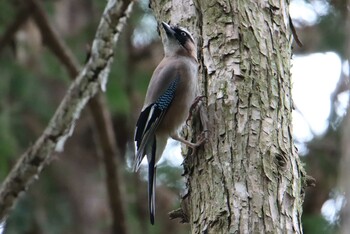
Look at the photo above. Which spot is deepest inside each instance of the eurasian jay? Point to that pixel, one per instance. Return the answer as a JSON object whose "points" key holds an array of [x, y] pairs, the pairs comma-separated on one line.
{"points": [[170, 94]]}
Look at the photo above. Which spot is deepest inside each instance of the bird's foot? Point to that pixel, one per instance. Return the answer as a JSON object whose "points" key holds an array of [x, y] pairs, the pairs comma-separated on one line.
{"points": [[201, 139]]}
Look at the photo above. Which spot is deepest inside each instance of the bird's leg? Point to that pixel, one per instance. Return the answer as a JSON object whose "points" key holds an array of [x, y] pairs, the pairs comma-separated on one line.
{"points": [[200, 140], [193, 107]]}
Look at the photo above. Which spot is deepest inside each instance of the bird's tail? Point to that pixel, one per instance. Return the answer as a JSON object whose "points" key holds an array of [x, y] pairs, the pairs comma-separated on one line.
{"points": [[152, 181]]}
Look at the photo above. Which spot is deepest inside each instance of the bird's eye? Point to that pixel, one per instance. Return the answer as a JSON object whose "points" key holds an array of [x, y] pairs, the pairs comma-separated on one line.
{"points": [[183, 34]]}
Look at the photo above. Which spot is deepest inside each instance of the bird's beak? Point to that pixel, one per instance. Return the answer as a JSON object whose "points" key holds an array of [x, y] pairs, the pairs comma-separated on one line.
{"points": [[169, 31]]}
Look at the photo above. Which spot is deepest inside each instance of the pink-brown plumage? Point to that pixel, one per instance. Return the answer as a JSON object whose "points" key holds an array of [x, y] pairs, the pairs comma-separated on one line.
{"points": [[170, 94]]}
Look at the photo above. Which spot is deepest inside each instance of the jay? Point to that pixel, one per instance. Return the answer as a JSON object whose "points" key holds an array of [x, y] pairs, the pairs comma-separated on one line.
{"points": [[170, 94]]}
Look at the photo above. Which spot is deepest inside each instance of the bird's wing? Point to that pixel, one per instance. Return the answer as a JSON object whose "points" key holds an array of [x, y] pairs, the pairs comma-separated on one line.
{"points": [[149, 120]]}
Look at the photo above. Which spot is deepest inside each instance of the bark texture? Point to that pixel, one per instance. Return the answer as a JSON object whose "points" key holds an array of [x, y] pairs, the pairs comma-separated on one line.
{"points": [[248, 177]]}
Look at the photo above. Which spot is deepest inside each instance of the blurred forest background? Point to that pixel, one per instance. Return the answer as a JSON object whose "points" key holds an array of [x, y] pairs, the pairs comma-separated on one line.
{"points": [[71, 196]]}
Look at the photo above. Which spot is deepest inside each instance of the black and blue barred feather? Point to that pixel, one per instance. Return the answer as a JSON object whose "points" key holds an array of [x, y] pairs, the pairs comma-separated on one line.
{"points": [[164, 101], [150, 118], [145, 138]]}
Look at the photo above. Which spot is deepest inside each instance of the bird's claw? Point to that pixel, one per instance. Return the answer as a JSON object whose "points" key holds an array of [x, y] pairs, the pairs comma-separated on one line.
{"points": [[200, 141], [202, 138]]}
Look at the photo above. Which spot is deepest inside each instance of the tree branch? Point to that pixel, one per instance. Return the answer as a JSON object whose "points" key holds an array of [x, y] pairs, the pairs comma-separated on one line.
{"points": [[52, 40], [100, 114], [110, 152], [21, 17], [179, 214], [92, 77]]}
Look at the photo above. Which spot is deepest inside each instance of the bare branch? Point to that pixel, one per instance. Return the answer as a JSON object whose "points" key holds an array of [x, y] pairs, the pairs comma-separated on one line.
{"points": [[92, 77], [100, 113], [21, 17], [111, 157], [294, 32], [179, 214], [52, 40]]}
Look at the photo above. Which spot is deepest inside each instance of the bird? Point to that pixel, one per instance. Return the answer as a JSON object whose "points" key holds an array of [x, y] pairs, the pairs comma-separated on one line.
{"points": [[170, 95]]}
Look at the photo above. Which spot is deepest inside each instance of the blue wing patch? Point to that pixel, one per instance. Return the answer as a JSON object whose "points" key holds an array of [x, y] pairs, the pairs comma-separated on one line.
{"points": [[150, 119], [164, 101]]}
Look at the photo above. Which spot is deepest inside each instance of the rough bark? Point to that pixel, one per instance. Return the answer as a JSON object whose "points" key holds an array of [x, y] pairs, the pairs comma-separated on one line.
{"points": [[248, 177], [92, 78]]}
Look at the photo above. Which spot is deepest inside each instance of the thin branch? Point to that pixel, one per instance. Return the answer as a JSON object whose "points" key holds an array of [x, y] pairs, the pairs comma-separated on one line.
{"points": [[52, 40], [294, 32], [100, 113], [21, 17], [178, 214], [111, 158], [92, 77]]}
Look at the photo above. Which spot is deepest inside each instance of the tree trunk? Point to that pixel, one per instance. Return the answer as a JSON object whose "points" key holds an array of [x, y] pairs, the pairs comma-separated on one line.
{"points": [[247, 178]]}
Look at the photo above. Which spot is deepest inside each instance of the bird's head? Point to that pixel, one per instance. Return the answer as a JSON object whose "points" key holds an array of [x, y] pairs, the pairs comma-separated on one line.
{"points": [[178, 41]]}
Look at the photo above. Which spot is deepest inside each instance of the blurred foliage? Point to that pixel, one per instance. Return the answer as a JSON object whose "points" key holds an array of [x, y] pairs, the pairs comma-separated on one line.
{"points": [[171, 176], [324, 151], [332, 30], [7, 12], [48, 214], [317, 224]]}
